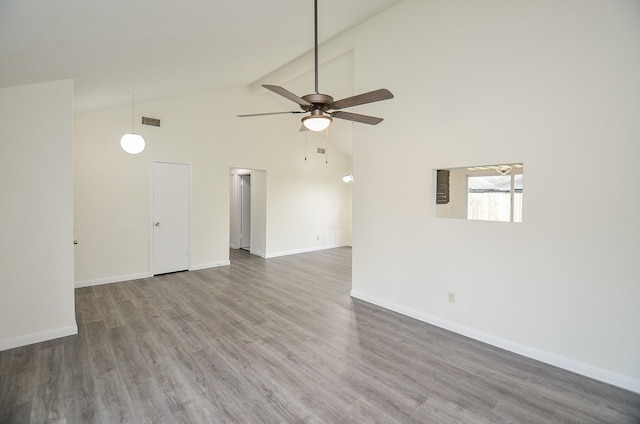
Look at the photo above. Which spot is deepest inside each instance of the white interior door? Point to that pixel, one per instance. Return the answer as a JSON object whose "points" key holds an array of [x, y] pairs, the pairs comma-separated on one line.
{"points": [[171, 206], [245, 211]]}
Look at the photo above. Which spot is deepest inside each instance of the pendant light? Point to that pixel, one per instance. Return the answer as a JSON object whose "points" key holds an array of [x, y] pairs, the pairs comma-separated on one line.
{"points": [[132, 143]]}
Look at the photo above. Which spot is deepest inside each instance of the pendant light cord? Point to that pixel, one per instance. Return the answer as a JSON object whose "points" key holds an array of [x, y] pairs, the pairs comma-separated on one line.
{"points": [[132, 114]]}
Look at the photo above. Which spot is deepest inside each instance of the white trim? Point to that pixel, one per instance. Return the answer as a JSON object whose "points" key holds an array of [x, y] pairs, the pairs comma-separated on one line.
{"points": [[42, 336], [296, 251], [257, 253], [137, 276], [210, 265], [114, 279], [239, 206], [539, 355]]}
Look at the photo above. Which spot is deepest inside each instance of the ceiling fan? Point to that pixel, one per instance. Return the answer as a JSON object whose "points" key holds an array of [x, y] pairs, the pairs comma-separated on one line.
{"points": [[321, 107]]}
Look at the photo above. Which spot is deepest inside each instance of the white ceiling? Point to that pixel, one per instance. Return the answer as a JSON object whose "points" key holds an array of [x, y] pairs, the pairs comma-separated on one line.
{"points": [[161, 48]]}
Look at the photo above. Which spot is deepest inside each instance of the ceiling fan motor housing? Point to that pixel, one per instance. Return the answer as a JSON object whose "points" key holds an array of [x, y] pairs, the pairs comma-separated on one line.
{"points": [[318, 101]]}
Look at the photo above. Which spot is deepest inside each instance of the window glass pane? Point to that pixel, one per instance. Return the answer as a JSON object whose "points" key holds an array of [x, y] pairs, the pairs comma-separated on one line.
{"points": [[489, 198]]}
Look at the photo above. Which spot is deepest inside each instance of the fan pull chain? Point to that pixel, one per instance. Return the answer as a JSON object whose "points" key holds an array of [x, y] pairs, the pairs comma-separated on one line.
{"points": [[326, 160], [305, 145]]}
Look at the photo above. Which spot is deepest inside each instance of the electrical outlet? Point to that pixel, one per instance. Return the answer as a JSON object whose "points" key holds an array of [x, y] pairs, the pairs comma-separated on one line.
{"points": [[452, 297]]}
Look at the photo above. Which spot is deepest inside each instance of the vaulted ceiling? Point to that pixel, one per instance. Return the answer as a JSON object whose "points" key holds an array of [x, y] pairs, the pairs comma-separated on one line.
{"points": [[161, 48]]}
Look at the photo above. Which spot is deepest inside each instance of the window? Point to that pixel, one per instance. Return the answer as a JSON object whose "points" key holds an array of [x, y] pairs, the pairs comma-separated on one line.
{"points": [[495, 197]]}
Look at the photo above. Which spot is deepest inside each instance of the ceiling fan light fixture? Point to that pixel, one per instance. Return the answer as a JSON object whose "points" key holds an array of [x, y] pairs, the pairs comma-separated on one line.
{"points": [[317, 122], [504, 169]]}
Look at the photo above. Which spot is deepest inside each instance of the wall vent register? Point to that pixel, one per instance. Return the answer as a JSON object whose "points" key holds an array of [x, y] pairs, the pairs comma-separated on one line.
{"points": [[150, 121]]}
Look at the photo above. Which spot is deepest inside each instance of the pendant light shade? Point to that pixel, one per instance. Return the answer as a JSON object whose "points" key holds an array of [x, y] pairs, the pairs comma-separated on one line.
{"points": [[317, 121], [132, 143]]}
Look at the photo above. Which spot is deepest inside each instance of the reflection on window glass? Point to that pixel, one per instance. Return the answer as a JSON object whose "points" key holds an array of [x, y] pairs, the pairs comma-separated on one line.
{"points": [[517, 198], [495, 197]]}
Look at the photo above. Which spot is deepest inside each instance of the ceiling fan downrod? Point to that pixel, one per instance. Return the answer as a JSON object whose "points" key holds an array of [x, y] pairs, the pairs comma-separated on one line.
{"points": [[315, 26]]}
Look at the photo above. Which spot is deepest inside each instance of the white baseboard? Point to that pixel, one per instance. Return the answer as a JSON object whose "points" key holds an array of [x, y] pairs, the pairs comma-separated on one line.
{"points": [[42, 336], [129, 277], [539, 355], [297, 251], [257, 253], [114, 279], [209, 265]]}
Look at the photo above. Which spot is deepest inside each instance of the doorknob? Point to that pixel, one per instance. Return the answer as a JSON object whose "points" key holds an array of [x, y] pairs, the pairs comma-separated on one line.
{"points": [[157, 224]]}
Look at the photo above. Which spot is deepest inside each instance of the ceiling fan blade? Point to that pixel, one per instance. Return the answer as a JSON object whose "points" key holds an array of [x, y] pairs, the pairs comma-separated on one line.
{"points": [[356, 117], [269, 113], [361, 99], [287, 94]]}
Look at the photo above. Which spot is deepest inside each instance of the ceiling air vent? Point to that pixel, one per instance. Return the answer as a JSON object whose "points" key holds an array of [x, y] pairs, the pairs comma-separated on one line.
{"points": [[150, 121]]}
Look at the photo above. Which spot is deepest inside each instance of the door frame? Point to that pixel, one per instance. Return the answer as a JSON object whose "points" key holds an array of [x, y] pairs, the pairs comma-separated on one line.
{"points": [[241, 208], [151, 212]]}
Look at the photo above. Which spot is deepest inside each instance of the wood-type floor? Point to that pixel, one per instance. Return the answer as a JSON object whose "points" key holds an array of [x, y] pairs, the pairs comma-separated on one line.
{"points": [[280, 341]]}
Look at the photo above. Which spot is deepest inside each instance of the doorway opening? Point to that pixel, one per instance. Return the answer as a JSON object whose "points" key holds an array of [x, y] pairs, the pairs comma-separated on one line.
{"points": [[248, 210]]}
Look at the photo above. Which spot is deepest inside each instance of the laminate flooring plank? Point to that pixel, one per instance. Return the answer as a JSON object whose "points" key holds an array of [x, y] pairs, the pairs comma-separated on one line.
{"points": [[47, 406], [280, 341], [313, 379], [235, 390], [283, 383], [78, 385], [110, 401], [104, 309], [19, 386]]}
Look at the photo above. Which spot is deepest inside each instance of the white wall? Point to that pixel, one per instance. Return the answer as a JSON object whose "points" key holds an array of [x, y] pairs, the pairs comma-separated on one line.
{"points": [[555, 85], [36, 217], [112, 188], [258, 212]]}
